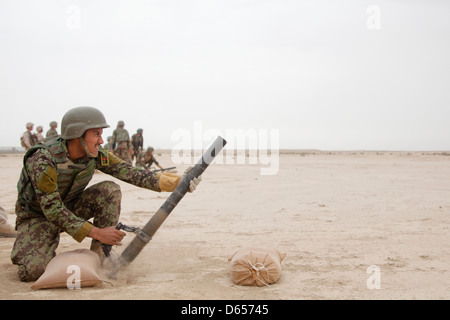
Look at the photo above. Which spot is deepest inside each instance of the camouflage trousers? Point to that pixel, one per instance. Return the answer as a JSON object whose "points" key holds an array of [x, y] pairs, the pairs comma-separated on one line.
{"points": [[37, 238], [136, 155], [122, 151]]}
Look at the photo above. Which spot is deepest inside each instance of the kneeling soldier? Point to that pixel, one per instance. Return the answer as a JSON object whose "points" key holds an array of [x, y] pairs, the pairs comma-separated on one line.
{"points": [[52, 193]]}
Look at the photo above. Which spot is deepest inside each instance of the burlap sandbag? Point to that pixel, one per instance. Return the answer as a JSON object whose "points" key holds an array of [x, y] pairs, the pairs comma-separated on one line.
{"points": [[256, 266], [59, 269]]}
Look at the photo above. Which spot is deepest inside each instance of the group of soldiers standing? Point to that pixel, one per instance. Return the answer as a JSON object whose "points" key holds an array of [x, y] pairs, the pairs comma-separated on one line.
{"points": [[131, 150], [29, 138]]}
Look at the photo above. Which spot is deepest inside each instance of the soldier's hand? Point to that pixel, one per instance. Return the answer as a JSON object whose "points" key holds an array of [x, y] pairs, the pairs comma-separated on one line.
{"points": [[194, 182], [108, 235]]}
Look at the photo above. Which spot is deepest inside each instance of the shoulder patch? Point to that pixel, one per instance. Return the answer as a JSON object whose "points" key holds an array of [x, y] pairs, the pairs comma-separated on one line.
{"points": [[48, 182], [104, 158], [108, 159], [113, 159]]}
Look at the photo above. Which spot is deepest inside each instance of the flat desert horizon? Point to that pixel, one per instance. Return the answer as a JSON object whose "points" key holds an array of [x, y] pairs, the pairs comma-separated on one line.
{"points": [[353, 225]]}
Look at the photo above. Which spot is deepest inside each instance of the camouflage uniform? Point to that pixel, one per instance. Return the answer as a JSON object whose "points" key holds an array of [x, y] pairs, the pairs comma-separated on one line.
{"points": [[121, 139], [147, 159], [52, 131], [137, 142], [52, 197], [108, 146]]}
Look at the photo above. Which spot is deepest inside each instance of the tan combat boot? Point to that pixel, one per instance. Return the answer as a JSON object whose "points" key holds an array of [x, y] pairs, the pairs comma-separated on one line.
{"points": [[96, 246], [6, 230]]}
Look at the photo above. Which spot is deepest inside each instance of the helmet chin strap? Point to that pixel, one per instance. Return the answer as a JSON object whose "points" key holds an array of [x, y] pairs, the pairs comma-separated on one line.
{"points": [[88, 152]]}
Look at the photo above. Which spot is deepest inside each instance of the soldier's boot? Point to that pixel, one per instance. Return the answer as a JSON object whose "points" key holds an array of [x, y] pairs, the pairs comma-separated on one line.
{"points": [[109, 266], [96, 246], [6, 230]]}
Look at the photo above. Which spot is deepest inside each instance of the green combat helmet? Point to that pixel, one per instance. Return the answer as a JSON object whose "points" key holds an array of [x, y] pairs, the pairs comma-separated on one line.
{"points": [[77, 120]]}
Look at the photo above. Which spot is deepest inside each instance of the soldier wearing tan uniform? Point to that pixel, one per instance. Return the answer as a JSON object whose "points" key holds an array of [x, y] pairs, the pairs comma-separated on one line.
{"points": [[28, 138], [39, 135]]}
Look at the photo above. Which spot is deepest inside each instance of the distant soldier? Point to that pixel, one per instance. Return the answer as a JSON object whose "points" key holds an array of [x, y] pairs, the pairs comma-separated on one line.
{"points": [[121, 139], [28, 138], [108, 146], [52, 131], [39, 135], [147, 159], [137, 142]]}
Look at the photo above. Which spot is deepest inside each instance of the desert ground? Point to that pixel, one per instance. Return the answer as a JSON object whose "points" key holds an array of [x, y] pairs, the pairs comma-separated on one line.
{"points": [[337, 215]]}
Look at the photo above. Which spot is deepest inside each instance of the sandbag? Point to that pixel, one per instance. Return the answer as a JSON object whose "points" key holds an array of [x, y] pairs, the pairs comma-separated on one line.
{"points": [[256, 266], [80, 265]]}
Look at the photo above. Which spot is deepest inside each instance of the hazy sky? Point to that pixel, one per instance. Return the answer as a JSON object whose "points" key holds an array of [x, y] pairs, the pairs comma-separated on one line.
{"points": [[328, 74]]}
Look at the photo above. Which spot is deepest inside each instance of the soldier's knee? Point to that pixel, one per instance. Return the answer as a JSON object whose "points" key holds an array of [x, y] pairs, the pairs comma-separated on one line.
{"points": [[110, 187], [30, 273], [111, 191]]}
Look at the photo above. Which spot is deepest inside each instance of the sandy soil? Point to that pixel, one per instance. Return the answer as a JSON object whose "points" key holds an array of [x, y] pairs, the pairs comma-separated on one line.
{"points": [[334, 214]]}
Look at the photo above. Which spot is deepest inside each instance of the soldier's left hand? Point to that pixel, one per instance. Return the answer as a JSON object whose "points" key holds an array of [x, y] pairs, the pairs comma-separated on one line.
{"points": [[194, 182]]}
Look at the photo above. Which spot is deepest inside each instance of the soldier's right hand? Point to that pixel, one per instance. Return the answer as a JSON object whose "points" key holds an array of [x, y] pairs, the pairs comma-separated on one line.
{"points": [[108, 235]]}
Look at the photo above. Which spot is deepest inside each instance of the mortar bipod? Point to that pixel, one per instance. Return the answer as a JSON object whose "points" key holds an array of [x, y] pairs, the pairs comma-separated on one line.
{"points": [[138, 232]]}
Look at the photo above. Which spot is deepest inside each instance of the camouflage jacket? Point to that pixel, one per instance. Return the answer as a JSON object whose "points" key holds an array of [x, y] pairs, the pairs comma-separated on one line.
{"points": [[51, 133], [120, 135], [147, 159], [137, 141], [50, 182], [107, 147]]}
